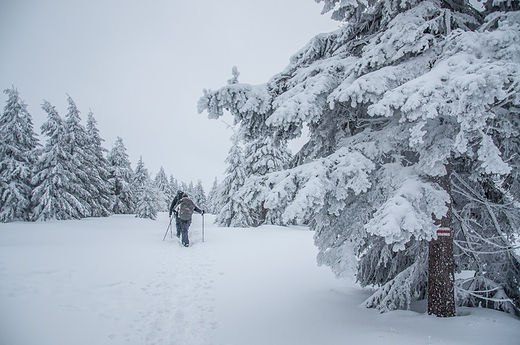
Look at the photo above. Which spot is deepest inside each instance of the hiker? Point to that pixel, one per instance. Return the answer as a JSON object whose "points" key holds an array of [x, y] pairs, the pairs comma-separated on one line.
{"points": [[185, 208], [175, 201]]}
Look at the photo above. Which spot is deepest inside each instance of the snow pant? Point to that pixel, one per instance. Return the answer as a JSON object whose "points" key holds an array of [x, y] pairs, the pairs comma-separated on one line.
{"points": [[184, 227], [178, 225]]}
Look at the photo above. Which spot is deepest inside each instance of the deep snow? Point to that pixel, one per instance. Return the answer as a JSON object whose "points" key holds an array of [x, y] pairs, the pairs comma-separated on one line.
{"points": [[114, 281]]}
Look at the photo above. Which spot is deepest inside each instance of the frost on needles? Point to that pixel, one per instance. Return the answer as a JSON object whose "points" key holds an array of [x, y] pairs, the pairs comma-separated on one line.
{"points": [[400, 91]]}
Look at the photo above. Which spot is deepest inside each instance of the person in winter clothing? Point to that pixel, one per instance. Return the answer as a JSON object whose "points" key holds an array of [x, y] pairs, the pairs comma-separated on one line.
{"points": [[175, 201], [185, 208]]}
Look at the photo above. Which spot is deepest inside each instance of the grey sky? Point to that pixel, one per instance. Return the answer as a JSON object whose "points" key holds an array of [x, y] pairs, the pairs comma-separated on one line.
{"points": [[140, 66]]}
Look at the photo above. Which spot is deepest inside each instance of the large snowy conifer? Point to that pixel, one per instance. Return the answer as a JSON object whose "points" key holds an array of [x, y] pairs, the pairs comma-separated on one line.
{"points": [[400, 92], [81, 162], [102, 197], [17, 155], [58, 194], [121, 176]]}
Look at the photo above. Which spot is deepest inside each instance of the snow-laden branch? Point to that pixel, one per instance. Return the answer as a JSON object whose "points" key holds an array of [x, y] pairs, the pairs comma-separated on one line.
{"points": [[479, 252], [398, 293], [474, 291], [300, 192], [408, 212], [500, 300]]}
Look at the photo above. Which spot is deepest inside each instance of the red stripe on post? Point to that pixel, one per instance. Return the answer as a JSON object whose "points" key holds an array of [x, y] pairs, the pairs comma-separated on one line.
{"points": [[444, 232]]}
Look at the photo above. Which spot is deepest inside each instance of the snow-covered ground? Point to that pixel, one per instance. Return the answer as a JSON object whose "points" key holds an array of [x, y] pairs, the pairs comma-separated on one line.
{"points": [[114, 281]]}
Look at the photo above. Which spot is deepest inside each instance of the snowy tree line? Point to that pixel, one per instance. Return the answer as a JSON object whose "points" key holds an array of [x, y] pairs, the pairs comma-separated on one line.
{"points": [[72, 175], [412, 111]]}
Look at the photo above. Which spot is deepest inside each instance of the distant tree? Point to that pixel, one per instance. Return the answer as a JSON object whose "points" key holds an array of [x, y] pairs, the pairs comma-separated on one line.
{"points": [[233, 211], [121, 176], [191, 189], [184, 187], [140, 175], [161, 182], [174, 186], [212, 202], [17, 155], [55, 195], [199, 196], [148, 197]]}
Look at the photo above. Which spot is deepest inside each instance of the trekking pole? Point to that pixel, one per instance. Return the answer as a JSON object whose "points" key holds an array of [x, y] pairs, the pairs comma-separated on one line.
{"points": [[203, 227], [168, 228]]}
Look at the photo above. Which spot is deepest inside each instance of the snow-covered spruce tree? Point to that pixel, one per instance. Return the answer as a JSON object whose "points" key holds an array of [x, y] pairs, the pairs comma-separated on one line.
{"points": [[76, 142], [461, 111], [55, 195], [199, 196], [17, 156], [264, 150], [261, 157], [149, 199], [140, 176], [102, 197], [161, 182], [233, 211], [191, 189], [121, 176], [184, 187], [212, 202], [174, 186], [393, 100]]}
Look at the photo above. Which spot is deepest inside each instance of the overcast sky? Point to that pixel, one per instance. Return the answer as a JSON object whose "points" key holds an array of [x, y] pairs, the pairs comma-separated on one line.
{"points": [[140, 66]]}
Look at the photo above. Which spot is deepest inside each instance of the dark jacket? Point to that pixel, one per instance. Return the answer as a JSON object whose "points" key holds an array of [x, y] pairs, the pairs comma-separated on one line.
{"points": [[175, 201]]}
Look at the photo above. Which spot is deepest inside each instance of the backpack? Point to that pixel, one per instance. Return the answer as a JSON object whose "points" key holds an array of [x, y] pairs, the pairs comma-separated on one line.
{"points": [[185, 208]]}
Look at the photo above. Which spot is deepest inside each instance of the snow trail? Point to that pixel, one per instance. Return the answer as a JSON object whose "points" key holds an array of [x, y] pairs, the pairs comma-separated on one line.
{"points": [[182, 298]]}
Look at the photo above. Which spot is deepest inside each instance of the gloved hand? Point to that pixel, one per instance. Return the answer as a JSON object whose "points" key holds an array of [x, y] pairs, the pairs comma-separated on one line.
{"points": [[202, 212]]}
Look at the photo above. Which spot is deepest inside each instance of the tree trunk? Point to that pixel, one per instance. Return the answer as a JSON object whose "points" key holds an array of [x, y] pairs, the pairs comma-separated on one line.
{"points": [[441, 297]]}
